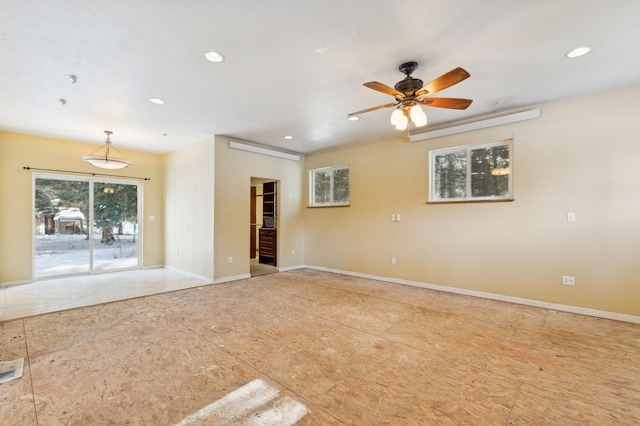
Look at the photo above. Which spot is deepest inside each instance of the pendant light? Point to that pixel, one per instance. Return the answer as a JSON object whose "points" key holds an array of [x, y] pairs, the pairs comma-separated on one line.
{"points": [[103, 158]]}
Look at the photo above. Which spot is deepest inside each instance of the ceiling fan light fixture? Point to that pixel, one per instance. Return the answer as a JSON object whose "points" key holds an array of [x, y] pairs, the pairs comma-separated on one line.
{"points": [[411, 93], [396, 116], [102, 157], [402, 123], [418, 116]]}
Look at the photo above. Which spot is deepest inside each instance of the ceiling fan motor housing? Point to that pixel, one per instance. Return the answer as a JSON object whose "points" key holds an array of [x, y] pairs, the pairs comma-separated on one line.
{"points": [[408, 85]]}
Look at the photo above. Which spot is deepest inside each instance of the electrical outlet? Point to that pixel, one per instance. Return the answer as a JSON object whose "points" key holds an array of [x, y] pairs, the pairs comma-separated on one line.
{"points": [[393, 218], [568, 280], [398, 217], [393, 260], [293, 252], [230, 259]]}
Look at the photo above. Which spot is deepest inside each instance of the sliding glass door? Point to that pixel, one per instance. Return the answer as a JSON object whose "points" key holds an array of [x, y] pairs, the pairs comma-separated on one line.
{"points": [[115, 230], [61, 224], [84, 225]]}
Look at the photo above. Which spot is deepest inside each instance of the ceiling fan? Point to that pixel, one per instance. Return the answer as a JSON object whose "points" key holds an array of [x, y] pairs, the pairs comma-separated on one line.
{"points": [[410, 94]]}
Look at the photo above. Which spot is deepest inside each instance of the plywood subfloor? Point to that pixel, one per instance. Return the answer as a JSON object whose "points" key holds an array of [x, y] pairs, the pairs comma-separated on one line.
{"points": [[315, 348]]}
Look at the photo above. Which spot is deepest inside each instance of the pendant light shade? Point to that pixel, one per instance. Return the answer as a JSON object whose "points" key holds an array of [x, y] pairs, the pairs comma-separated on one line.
{"points": [[103, 157]]}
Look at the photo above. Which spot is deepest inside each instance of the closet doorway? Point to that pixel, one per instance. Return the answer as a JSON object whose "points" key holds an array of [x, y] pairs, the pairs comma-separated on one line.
{"points": [[263, 226]]}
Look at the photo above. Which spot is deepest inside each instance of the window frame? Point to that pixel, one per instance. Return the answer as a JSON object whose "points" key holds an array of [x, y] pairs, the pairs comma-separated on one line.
{"points": [[312, 186], [468, 184]]}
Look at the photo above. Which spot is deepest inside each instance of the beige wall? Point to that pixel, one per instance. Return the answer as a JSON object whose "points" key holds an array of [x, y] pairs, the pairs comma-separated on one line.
{"points": [[233, 172], [18, 150], [189, 208], [581, 156]]}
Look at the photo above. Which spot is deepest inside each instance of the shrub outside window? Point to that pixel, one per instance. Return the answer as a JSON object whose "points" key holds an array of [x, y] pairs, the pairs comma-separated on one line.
{"points": [[481, 172], [329, 186]]}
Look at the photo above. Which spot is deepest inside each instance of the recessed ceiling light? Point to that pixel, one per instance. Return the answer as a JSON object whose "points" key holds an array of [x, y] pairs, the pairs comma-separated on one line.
{"points": [[288, 137], [214, 56], [353, 118], [577, 52], [156, 101], [72, 78]]}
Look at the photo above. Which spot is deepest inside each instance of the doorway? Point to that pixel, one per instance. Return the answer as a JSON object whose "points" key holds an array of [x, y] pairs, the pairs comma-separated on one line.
{"points": [[85, 225], [263, 226]]}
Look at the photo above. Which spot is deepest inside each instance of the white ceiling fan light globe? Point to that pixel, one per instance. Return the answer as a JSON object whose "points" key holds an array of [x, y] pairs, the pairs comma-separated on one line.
{"points": [[402, 123], [421, 121], [396, 116], [418, 116]]}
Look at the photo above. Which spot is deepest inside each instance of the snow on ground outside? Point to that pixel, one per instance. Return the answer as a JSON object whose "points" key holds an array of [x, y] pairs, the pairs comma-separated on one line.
{"points": [[62, 254]]}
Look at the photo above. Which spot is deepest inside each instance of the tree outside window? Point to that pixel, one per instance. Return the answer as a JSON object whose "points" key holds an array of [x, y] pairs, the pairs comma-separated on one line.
{"points": [[471, 173], [329, 186]]}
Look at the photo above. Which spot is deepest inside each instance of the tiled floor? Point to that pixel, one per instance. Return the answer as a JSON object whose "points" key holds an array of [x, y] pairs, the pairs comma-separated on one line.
{"points": [[53, 295], [320, 349]]}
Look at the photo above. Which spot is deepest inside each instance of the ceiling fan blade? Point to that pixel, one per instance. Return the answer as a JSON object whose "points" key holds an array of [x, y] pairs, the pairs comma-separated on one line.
{"points": [[454, 76], [373, 109], [452, 103], [384, 89]]}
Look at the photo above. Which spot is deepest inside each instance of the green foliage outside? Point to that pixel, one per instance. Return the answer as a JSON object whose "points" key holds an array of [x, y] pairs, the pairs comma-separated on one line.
{"points": [[114, 204]]}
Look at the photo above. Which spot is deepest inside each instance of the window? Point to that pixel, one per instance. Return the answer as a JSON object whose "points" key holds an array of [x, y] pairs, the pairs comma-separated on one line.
{"points": [[329, 186], [471, 173]]}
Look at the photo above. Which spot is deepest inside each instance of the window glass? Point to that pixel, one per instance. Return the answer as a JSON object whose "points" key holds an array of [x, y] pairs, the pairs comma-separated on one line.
{"points": [[485, 182], [341, 186], [329, 186], [471, 173], [450, 175], [322, 187]]}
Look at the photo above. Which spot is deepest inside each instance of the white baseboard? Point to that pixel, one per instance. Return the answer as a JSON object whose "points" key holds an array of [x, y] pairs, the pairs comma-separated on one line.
{"points": [[231, 278], [7, 284], [518, 300], [191, 274], [292, 268], [156, 267]]}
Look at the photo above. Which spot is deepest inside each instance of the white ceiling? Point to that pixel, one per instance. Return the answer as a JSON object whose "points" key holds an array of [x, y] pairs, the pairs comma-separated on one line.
{"points": [[292, 66]]}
